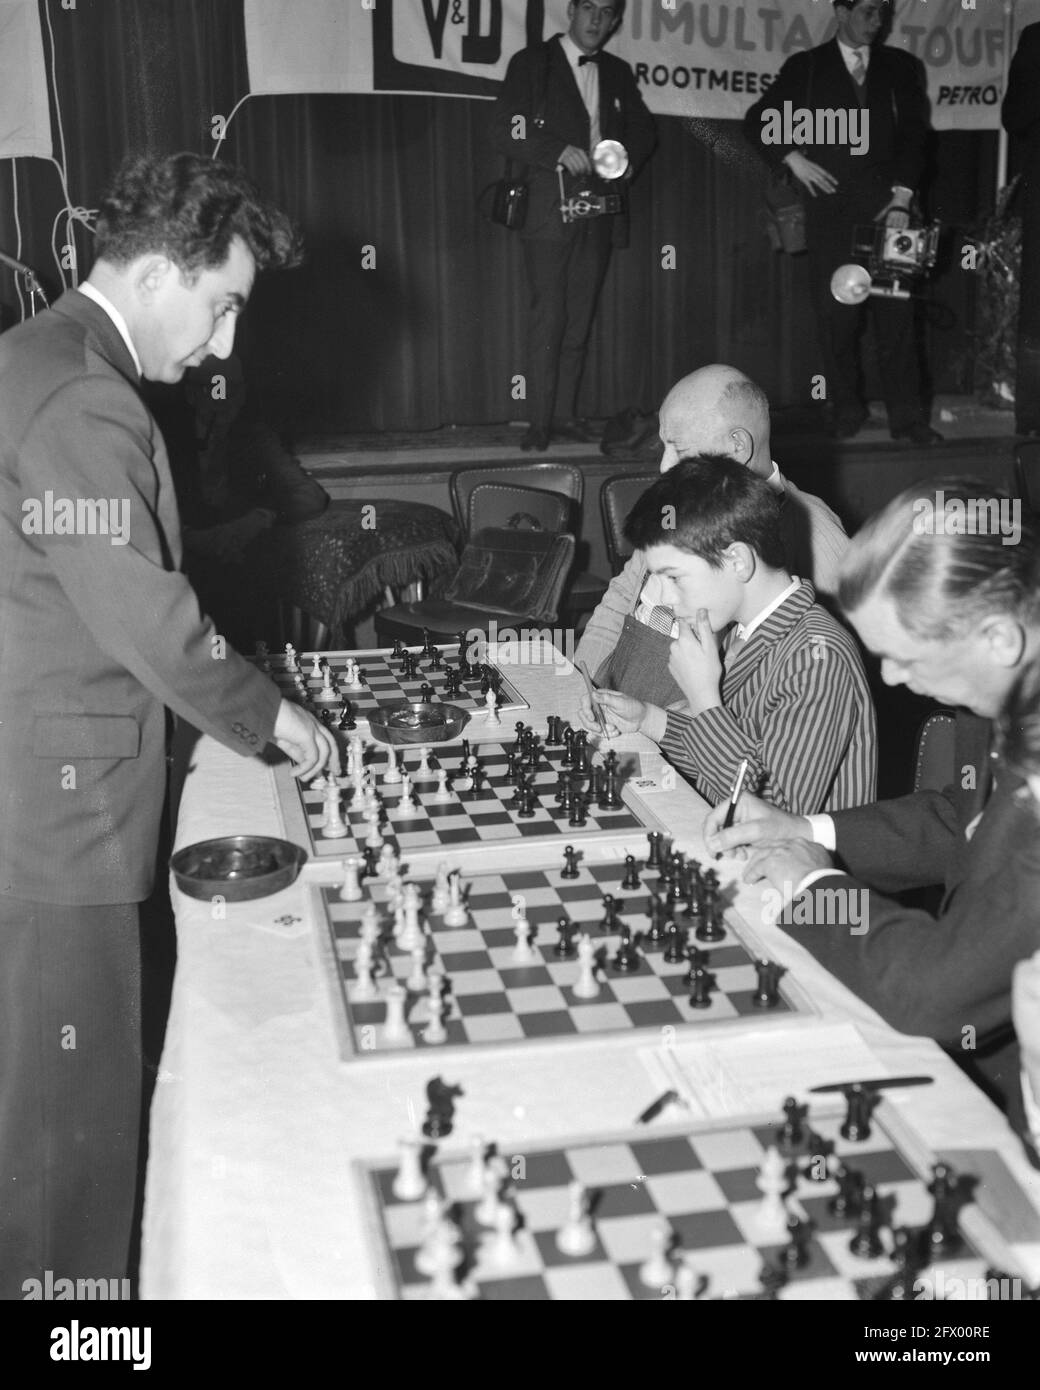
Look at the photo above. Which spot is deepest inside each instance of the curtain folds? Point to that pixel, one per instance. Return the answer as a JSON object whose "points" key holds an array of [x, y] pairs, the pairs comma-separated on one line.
{"points": [[408, 313]]}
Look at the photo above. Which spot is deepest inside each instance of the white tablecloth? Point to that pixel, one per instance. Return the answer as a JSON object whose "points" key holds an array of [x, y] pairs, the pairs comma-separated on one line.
{"points": [[255, 1120]]}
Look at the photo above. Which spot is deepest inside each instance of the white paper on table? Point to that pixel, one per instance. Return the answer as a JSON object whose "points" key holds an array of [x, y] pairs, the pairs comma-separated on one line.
{"points": [[753, 1073]]}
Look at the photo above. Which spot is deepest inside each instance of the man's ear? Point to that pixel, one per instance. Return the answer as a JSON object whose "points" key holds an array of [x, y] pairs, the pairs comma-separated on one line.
{"points": [[1005, 639], [742, 445], [150, 275], [740, 560]]}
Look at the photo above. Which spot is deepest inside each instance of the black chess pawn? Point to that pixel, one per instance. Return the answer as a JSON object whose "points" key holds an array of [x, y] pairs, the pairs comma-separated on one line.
{"points": [[767, 994], [941, 1236], [570, 863], [426, 693], [795, 1254], [847, 1200], [526, 803], [518, 742], [866, 1243], [564, 791], [565, 946], [398, 650], [436, 662], [627, 958], [675, 945], [427, 649], [702, 987], [860, 1101], [326, 717], [578, 817], [698, 961], [477, 778], [631, 879], [791, 1134], [771, 1280], [818, 1151], [611, 921], [902, 1286], [656, 932]]}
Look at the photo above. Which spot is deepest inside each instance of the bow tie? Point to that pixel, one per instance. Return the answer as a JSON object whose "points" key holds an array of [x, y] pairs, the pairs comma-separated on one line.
{"points": [[588, 58]]}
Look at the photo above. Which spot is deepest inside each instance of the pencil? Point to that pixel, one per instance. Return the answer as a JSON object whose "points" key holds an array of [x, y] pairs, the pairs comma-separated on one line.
{"points": [[734, 797]]}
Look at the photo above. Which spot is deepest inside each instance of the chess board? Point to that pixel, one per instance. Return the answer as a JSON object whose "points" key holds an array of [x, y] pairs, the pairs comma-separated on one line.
{"points": [[468, 819], [383, 683], [701, 1180], [493, 1000]]}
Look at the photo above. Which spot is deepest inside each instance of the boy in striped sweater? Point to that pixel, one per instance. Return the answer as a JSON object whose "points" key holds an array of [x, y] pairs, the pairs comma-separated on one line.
{"points": [[787, 691]]}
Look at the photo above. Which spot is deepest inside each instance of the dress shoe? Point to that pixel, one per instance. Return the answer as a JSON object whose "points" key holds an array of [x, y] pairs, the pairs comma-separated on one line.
{"points": [[536, 439], [918, 433], [577, 430], [848, 426]]}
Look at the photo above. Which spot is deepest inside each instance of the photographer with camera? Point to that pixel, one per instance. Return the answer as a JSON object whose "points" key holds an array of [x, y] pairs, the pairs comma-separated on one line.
{"points": [[559, 100], [848, 185]]}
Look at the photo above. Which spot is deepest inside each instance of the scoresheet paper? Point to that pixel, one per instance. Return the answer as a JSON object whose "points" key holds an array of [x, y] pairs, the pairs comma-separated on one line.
{"points": [[730, 1077]]}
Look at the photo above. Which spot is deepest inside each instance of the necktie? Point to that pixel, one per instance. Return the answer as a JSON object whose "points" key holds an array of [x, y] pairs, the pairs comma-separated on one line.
{"points": [[661, 619], [588, 58], [858, 73]]}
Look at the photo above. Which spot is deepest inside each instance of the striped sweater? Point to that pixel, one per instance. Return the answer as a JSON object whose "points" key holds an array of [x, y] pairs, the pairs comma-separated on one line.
{"points": [[795, 703]]}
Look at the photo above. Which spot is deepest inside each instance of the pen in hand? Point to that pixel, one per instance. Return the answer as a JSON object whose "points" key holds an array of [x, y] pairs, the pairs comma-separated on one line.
{"points": [[734, 797]]}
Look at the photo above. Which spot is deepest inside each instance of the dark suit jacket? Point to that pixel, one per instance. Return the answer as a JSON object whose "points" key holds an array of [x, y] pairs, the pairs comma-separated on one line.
{"points": [[95, 637], [938, 976], [562, 120], [898, 105]]}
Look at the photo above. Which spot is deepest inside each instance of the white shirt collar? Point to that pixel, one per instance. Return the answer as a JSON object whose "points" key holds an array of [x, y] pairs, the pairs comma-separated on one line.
{"points": [[745, 631], [571, 49], [776, 479], [848, 53], [117, 318]]}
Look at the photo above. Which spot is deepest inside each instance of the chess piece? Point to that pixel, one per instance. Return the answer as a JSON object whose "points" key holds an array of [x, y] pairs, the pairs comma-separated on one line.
{"points": [[576, 1236], [523, 952], [455, 914], [491, 701], [392, 775], [435, 1031], [410, 1181], [395, 1025], [586, 986], [656, 1271], [350, 891], [333, 826], [771, 1214]]}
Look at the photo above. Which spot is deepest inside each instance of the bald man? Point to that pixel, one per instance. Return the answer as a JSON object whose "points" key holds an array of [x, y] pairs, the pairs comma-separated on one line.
{"points": [[716, 410]]}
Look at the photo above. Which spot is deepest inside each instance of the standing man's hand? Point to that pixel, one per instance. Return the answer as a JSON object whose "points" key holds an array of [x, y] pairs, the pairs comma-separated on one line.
{"points": [[306, 741], [575, 160], [812, 176], [896, 212]]}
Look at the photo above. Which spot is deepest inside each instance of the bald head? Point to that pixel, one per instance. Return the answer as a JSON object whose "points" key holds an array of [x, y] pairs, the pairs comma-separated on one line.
{"points": [[717, 410]]}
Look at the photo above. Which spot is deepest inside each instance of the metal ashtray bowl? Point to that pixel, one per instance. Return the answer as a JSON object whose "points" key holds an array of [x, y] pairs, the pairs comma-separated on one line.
{"points": [[417, 723], [237, 867]]}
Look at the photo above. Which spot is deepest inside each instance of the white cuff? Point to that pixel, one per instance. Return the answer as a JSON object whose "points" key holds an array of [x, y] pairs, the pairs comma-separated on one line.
{"points": [[1031, 1102], [811, 878], [822, 828]]}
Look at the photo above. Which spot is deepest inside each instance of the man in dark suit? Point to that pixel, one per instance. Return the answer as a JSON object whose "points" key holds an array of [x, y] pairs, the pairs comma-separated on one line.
{"points": [[559, 99], [954, 614], [848, 188], [100, 634], [1021, 116]]}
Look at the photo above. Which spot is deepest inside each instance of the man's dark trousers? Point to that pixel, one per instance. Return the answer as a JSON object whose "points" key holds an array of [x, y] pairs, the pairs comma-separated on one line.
{"points": [[564, 280], [831, 222]]}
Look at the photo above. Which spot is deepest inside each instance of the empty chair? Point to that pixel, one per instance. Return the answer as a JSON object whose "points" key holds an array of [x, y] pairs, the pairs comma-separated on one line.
{"points": [[617, 497]]}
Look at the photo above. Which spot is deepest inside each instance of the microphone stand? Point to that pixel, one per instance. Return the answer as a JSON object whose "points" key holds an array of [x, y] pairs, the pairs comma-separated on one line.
{"points": [[32, 284]]}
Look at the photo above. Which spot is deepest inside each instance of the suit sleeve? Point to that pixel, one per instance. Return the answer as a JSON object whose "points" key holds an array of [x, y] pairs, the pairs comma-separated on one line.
{"points": [[1020, 111], [140, 611], [913, 127], [933, 975], [640, 128], [899, 844], [520, 139], [603, 629], [792, 84], [797, 748]]}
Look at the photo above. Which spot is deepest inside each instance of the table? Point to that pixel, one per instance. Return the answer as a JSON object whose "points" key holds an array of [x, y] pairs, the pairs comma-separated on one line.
{"points": [[250, 1192]]}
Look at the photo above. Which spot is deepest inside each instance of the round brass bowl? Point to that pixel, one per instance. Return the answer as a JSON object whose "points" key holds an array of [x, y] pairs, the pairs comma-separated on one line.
{"points": [[237, 867], [417, 723]]}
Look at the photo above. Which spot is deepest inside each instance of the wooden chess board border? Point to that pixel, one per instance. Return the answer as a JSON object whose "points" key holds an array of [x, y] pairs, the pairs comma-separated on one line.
{"points": [[800, 1007], [993, 1245]]}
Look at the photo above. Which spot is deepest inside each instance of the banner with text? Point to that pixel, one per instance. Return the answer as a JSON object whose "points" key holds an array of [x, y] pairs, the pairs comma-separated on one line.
{"points": [[690, 58]]}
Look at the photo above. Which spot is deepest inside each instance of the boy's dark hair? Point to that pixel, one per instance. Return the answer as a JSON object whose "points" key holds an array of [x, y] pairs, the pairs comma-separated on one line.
{"points": [[189, 208], [706, 504]]}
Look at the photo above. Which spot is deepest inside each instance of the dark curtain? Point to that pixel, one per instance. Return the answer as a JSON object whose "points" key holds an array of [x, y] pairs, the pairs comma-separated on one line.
{"points": [[432, 334]]}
